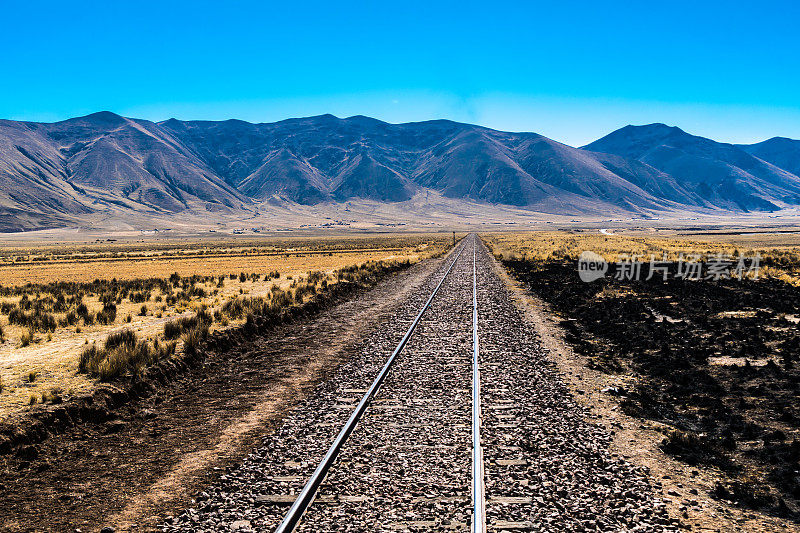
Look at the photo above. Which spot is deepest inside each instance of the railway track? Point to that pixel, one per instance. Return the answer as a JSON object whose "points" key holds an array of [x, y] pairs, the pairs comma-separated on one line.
{"points": [[309, 491], [464, 427]]}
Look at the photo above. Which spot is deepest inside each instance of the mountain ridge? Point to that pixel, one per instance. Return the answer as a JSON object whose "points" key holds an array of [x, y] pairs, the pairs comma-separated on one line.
{"points": [[723, 175], [57, 173]]}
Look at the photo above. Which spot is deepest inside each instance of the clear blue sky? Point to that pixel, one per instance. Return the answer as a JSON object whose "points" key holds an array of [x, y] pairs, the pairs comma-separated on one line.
{"points": [[570, 70]]}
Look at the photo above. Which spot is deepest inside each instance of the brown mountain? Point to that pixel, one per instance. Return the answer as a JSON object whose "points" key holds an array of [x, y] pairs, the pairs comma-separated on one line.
{"points": [[722, 175], [54, 174]]}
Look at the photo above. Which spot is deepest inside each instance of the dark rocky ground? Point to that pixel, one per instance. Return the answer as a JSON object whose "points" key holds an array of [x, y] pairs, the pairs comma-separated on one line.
{"points": [[715, 360]]}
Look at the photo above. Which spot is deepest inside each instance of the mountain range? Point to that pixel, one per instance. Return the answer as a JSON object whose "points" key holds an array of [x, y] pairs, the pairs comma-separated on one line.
{"points": [[103, 164]]}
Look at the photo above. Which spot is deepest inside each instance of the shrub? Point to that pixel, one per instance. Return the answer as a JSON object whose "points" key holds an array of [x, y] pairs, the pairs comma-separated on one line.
{"points": [[31, 377], [2, 335], [26, 339], [234, 307], [746, 494], [164, 349], [695, 449], [37, 320], [52, 396], [303, 290], [108, 315], [89, 359], [139, 297], [71, 318], [281, 298], [124, 337], [143, 311], [135, 358], [174, 328], [122, 352], [82, 311], [193, 338]]}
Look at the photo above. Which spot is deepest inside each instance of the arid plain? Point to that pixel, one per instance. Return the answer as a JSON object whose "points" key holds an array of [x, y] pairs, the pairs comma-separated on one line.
{"points": [[92, 318]]}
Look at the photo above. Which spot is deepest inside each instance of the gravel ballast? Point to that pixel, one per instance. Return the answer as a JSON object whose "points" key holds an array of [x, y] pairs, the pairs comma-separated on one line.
{"points": [[407, 465]]}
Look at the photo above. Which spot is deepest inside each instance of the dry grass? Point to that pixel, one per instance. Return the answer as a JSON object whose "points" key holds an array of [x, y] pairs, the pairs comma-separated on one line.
{"points": [[86, 263], [239, 281], [780, 254], [89, 270]]}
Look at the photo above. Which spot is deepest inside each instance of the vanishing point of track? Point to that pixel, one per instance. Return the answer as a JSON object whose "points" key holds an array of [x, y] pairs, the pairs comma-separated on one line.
{"points": [[309, 492], [428, 440]]}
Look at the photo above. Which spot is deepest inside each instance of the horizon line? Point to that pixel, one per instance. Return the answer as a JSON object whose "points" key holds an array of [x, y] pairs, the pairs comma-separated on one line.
{"points": [[233, 119]]}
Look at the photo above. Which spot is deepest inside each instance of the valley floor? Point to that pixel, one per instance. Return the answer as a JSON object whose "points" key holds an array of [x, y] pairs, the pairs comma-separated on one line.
{"points": [[148, 458]]}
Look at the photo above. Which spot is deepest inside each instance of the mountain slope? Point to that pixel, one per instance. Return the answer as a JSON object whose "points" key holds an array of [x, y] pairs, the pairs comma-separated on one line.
{"points": [[35, 190], [57, 174], [327, 158], [282, 172], [723, 175], [780, 151], [136, 162]]}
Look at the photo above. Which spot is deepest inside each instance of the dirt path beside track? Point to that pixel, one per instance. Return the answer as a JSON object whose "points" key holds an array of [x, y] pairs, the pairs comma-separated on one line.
{"points": [[146, 462]]}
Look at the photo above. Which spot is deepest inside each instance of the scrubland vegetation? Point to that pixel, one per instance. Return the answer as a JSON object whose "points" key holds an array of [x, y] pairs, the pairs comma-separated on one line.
{"points": [[716, 363], [74, 333]]}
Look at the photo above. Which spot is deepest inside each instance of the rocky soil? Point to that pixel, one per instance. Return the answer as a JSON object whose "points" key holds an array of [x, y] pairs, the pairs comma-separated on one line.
{"points": [[407, 465]]}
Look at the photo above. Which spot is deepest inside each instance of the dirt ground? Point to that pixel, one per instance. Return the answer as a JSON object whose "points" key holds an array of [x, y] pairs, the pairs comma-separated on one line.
{"points": [[147, 462], [685, 489]]}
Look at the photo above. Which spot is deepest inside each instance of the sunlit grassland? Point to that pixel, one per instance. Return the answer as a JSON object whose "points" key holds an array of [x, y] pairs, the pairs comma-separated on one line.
{"points": [[56, 304]]}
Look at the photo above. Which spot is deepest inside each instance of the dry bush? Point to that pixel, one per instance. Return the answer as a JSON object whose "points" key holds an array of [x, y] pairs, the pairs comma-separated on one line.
{"points": [[108, 315], [26, 338], [193, 338], [37, 320], [54, 395], [175, 328], [89, 359], [122, 353], [778, 261]]}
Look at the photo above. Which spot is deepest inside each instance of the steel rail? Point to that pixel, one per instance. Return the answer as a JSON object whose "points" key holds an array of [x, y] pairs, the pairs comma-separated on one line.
{"points": [[307, 495], [478, 489]]}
